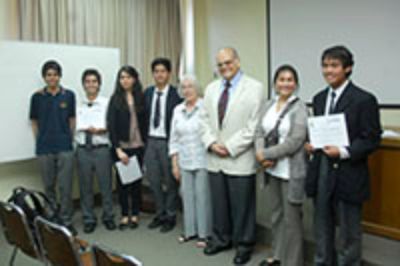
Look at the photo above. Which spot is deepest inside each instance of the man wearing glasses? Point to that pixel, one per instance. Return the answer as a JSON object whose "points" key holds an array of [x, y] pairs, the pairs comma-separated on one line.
{"points": [[229, 118]]}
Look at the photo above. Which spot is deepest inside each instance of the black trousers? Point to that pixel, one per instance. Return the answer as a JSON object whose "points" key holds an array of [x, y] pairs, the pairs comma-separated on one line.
{"points": [[234, 210], [130, 194]]}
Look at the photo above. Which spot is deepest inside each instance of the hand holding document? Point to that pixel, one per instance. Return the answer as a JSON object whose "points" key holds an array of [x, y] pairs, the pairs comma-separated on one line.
{"points": [[130, 172], [96, 118], [329, 130]]}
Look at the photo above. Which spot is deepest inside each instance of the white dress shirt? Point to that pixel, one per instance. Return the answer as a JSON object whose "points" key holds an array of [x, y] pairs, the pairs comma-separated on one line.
{"points": [[160, 131], [344, 153], [282, 168], [185, 139], [99, 105]]}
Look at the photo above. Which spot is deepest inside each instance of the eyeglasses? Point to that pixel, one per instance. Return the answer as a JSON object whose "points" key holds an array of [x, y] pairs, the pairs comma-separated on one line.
{"points": [[225, 63]]}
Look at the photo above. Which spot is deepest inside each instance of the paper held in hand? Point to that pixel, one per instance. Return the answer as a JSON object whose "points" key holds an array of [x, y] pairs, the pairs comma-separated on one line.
{"points": [[328, 130], [130, 172], [95, 118]]}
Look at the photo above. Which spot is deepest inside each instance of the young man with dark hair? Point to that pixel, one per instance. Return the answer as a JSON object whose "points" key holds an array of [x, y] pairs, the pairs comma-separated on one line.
{"points": [[160, 101], [93, 152], [165, 62], [52, 113], [338, 178]]}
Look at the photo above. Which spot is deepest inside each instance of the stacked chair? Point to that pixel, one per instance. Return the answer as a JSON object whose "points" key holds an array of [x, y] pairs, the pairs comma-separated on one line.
{"points": [[52, 244], [17, 232]]}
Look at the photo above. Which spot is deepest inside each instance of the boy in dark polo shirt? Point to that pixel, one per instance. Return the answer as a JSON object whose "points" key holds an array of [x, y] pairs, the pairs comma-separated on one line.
{"points": [[52, 113]]}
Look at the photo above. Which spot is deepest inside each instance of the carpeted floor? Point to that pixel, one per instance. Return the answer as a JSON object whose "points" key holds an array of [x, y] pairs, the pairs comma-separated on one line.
{"points": [[156, 249]]}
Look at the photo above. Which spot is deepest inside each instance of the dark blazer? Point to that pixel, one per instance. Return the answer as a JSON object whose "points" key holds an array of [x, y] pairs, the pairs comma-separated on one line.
{"points": [[119, 122], [173, 99], [363, 123]]}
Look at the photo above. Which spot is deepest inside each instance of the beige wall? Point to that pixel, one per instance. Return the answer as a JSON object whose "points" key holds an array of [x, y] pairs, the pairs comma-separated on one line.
{"points": [[8, 19], [2, 19], [228, 23]]}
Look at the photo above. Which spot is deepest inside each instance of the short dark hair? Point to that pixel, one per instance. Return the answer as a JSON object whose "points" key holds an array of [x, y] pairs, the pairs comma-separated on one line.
{"points": [[51, 64], [91, 72], [288, 68], [340, 53], [161, 61]]}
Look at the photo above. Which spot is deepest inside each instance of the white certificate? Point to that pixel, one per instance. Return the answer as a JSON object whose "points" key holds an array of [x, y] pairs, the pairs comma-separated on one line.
{"points": [[329, 130], [130, 172], [93, 117]]}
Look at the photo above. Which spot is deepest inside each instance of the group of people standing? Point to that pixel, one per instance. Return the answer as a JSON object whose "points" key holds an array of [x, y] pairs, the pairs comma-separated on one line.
{"points": [[213, 148]]}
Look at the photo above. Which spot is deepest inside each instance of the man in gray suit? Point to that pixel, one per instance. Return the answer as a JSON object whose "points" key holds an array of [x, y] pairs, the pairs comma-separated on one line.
{"points": [[229, 119]]}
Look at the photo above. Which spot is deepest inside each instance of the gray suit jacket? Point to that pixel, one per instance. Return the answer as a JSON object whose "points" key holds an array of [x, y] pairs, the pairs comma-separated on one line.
{"points": [[292, 147]]}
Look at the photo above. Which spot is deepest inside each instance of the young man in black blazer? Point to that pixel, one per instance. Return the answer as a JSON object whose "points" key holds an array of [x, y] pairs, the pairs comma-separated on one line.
{"points": [[338, 178], [160, 101]]}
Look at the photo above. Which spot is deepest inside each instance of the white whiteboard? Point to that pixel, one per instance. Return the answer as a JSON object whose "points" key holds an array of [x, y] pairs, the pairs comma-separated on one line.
{"points": [[302, 29], [20, 77]]}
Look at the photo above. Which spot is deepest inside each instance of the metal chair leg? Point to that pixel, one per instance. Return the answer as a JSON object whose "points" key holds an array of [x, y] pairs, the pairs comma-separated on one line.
{"points": [[14, 254]]}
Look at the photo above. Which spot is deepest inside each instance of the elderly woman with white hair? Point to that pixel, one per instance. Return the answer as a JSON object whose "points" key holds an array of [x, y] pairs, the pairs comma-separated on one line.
{"points": [[188, 155]]}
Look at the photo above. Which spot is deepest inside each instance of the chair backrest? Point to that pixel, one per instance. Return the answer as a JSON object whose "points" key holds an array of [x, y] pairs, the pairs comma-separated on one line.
{"points": [[4, 209], [17, 230], [105, 257], [57, 243]]}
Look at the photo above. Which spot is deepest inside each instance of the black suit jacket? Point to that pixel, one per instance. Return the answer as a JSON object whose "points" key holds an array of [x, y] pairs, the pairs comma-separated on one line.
{"points": [[119, 122], [173, 99], [363, 123]]}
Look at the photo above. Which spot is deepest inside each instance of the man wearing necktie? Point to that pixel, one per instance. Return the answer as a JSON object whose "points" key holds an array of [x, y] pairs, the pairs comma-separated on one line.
{"points": [[93, 153], [338, 179], [160, 101], [228, 121]]}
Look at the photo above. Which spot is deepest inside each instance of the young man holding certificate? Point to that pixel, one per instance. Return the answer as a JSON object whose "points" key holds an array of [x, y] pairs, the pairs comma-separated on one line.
{"points": [[338, 178], [93, 152]]}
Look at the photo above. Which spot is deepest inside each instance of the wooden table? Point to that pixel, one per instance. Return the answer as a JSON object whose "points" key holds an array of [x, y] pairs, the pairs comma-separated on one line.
{"points": [[381, 214]]}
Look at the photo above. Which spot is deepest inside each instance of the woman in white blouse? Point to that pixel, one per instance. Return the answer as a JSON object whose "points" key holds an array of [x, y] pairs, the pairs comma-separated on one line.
{"points": [[188, 155], [284, 164]]}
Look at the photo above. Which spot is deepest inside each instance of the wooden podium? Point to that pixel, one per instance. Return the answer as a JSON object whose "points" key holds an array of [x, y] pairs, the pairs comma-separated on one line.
{"points": [[381, 214]]}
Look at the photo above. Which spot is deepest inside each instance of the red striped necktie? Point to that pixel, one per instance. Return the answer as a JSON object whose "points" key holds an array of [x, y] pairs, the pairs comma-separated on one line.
{"points": [[223, 103]]}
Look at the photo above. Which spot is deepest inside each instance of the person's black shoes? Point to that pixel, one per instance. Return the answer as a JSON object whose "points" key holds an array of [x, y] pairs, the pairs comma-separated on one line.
{"points": [[110, 225], [213, 249], [155, 223], [168, 226], [134, 225], [123, 226], [242, 257], [89, 228]]}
